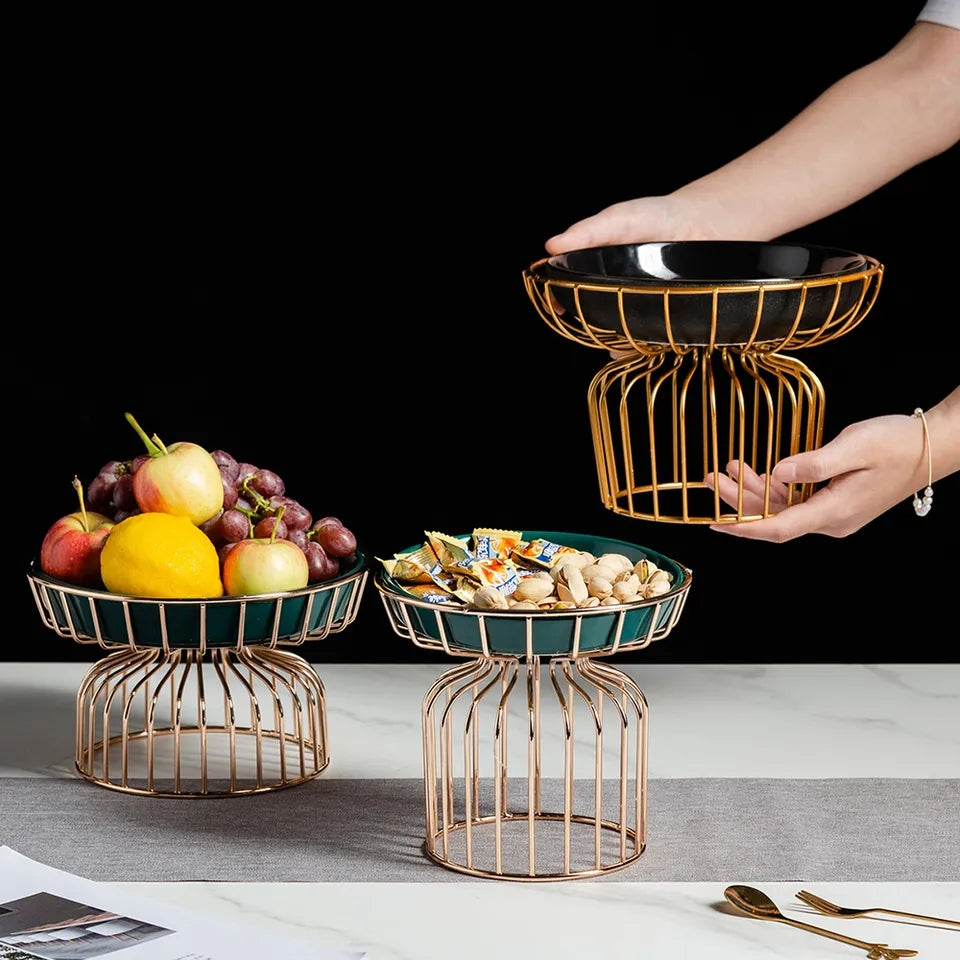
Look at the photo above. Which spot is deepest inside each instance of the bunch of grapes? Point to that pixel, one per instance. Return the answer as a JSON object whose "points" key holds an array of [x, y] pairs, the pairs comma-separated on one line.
{"points": [[255, 504]]}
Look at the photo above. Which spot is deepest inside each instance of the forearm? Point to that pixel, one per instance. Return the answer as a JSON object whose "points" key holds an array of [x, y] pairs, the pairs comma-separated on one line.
{"points": [[862, 132], [943, 422]]}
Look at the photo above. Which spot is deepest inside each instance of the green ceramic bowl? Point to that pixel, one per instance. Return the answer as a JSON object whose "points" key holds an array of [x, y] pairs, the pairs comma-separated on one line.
{"points": [[112, 620], [545, 633]]}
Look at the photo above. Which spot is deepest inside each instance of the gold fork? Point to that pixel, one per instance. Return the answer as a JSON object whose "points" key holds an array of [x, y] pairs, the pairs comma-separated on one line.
{"points": [[832, 910]]}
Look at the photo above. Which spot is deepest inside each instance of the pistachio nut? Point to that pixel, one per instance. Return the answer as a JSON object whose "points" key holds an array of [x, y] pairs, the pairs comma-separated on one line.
{"points": [[533, 588], [655, 588], [598, 569], [489, 598], [616, 560], [525, 605], [599, 587], [571, 585], [627, 590], [645, 569]]}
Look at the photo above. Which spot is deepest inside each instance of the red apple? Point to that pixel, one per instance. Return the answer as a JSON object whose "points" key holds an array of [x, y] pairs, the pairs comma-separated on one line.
{"points": [[260, 565], [183, 479], [71, 547]]}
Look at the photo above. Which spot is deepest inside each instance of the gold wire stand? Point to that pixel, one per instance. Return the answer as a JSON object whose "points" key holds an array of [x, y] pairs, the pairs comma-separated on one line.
{"points": [[488, 825], [530, 827], [665, 415], [203, 720]]}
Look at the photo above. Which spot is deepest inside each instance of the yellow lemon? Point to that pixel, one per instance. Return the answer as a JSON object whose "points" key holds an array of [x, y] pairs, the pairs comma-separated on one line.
{"points": [[160, 555]]}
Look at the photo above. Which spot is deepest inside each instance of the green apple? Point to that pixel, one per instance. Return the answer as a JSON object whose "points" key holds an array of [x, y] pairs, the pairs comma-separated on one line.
{"points": [[263, 565], [182, 479]]}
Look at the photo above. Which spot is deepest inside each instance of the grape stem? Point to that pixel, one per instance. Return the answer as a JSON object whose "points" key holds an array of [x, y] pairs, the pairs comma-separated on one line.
{"points": [[261, 502], [154, 448]]}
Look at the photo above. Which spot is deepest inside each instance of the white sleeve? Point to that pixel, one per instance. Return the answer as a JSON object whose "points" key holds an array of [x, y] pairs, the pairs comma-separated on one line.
{"points": [[946, 12]]}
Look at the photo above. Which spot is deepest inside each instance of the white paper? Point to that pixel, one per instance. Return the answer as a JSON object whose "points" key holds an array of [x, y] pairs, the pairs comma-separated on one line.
{"points": [[49, 914]]}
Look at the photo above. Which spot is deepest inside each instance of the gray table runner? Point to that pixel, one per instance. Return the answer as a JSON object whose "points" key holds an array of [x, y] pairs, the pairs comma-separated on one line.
{"points": [[702, 829]]}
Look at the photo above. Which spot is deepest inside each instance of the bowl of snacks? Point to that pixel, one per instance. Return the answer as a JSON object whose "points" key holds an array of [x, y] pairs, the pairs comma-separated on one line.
{"points": [[531, 593]]}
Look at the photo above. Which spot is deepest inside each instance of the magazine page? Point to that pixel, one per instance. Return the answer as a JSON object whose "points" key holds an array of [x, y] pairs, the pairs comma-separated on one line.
{"points": [[52, 915]]}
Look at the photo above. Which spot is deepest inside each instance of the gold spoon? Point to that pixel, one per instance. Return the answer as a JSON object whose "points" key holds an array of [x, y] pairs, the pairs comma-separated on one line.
{"points": [[755, 903]]}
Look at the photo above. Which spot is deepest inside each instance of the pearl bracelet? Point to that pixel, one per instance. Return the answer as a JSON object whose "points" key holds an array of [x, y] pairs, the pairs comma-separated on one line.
{"points": [[922, 505]]}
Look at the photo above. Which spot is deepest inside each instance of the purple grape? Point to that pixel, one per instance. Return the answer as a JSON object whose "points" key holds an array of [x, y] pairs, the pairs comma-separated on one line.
{"points": [[113, 469], [321, 566], [234, 526], [267, 483], [100, 494], [244, 471], [230, 495], [299, 537], [228, 464], [295, 515], [211, 528], [265, 528], [334, 537], [123, 496]]}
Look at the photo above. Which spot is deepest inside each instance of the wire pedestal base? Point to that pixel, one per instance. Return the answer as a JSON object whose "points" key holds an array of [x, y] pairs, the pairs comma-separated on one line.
{"points": [[482, 821], [663, 420], [185, 723]]}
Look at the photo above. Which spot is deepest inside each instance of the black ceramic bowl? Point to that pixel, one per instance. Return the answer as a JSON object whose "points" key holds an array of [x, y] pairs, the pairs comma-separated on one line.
{"points": [[710, 292]]}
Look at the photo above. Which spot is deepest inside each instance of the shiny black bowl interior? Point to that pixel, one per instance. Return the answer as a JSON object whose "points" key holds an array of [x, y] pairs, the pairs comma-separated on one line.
{"points": [[708, 262], [709, 291]]}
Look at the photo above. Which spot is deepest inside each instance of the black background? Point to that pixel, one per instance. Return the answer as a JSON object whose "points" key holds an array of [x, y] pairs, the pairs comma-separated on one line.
{"points": [[304, 244]]}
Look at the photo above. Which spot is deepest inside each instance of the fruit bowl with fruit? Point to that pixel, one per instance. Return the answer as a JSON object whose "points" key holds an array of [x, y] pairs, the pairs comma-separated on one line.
{"points": [[184, 548], [193, 570]]}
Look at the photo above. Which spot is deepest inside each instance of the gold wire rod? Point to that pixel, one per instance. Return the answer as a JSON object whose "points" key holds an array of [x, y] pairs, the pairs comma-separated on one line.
{"points": [[229, 719], [595, 709], [270, 677], [150, 708], [533, 770], [127, 701], [125, 664], [500, 759], [598, 679], [477, 667], [314, 693], [630, 690], [566, 710]]}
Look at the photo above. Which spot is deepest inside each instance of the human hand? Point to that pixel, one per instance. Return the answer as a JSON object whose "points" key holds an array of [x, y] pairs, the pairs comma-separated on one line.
{"points": [[645, 219], [636, 221], [869, 467]]}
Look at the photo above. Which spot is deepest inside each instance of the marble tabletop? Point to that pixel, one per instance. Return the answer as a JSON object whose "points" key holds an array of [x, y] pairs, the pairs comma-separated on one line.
{"points": [[804, 720]]}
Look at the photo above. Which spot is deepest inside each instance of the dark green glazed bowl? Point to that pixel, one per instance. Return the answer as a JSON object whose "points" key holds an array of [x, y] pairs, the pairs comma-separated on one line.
{"points": [[596, 630], [112, 620]]}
